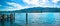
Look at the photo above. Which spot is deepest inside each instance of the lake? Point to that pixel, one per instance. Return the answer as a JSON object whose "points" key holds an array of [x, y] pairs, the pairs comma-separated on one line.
{"points": [[34, 19]]}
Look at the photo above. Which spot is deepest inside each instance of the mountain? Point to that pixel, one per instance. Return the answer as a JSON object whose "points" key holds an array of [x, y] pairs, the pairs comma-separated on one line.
{"points": [[36, 10], [39, 9]]}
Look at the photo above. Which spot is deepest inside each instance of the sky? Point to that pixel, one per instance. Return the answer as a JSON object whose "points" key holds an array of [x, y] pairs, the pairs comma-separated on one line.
{"points": [[11, 5]]}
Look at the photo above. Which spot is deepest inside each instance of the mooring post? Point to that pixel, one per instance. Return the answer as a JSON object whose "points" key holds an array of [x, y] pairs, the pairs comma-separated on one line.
{"points": [[26, 19], [14, 16]]}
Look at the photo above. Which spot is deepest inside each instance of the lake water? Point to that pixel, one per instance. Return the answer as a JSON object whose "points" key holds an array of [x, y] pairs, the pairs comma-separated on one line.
{"points": [[34, 19]]}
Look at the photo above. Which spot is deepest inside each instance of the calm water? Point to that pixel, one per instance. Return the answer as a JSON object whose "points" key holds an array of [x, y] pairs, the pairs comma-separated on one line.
{"points": [[34, 19]]}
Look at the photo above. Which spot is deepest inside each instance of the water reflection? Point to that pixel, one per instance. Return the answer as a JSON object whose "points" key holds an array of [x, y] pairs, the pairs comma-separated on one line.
{"points": [[41, 19], [2, 22], [20, 19], [6, 23], [12, 23]]}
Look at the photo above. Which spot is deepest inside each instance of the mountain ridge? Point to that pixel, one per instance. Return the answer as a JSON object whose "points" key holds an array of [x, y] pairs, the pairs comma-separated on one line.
{"points": [[36, 10]]}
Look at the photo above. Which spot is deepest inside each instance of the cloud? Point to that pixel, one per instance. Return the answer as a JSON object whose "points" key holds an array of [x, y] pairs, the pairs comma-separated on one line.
{"points": [[29, 4], [14, 6], [55, 1], [35, 2], [42, 3]]}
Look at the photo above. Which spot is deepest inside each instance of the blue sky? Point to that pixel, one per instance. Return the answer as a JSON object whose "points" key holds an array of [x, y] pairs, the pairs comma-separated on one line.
{"points": [[11, 5]]}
